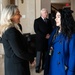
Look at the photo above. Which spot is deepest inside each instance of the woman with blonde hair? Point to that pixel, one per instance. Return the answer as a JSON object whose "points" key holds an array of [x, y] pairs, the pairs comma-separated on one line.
{"points": [[17, 57]]}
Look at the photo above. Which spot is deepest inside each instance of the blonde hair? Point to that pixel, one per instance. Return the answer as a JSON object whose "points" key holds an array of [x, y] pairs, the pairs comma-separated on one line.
{"points": [[6, 15]]}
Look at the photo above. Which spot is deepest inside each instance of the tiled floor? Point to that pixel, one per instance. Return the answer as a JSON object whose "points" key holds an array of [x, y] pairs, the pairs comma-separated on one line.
{"points": [[1, 66], [32, 69]]}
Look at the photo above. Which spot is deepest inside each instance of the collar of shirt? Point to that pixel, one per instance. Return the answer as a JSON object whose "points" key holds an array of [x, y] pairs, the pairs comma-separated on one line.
{"points": [[42, 18]]}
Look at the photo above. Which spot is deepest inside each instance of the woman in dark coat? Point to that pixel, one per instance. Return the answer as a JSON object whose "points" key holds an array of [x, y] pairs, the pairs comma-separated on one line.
{"points": [[60, 59], [16, 55]]}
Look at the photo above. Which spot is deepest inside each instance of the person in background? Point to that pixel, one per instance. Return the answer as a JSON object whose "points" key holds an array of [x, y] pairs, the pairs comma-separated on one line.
{"points": [[43, 29], [60, 59], [17, 57]]}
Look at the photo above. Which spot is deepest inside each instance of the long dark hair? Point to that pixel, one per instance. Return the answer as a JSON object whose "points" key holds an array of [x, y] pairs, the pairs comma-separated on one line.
{"points": [[67, 22]]}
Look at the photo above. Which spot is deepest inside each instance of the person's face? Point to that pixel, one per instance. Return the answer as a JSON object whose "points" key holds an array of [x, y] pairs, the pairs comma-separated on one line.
{"points": [[16, 17], [44, 14], [58, 19]]}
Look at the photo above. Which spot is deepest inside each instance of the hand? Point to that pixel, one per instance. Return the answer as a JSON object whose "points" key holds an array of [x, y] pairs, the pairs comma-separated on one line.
{"points": [[47, 36], [33, 63]]}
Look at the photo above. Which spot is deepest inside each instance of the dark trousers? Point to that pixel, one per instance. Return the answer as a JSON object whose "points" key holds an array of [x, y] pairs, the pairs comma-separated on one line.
{"points": [[41, 48], [40, 58]]}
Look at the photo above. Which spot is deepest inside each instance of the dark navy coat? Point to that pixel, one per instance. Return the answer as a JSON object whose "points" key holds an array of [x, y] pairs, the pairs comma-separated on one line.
{"points": [[62, 60], [16, 54], [42, 29]]}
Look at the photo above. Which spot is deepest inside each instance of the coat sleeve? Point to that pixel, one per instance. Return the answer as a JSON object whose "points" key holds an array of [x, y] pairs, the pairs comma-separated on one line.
{"points": [[71, 65], [47, 57], [18, 45]]}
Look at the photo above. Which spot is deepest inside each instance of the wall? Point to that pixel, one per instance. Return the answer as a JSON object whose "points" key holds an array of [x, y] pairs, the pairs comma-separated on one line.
{"points": [[0, 7], [28, 15], [60, 1], [58, 5], [4, 3], [38, 8], [46, 4], [73, 7]]}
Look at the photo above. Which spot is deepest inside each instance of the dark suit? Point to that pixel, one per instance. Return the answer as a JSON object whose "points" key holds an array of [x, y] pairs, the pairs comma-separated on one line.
{"points": [[16, 55], [41, 29]]}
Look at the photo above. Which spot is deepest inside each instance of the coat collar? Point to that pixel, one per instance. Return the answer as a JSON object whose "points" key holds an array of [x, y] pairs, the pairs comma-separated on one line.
{"points": [[58, 38]]}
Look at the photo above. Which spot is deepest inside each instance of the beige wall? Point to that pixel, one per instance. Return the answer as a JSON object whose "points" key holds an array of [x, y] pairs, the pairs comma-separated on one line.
{"points": [[46, 4], [5, 2], [57, 6], [0, 7], [60, 1], [73, 7], [38, 8], [28, 15]]}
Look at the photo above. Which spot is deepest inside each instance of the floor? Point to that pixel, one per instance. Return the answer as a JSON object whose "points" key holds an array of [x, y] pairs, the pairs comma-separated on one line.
{"points": [[32, 69]]}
